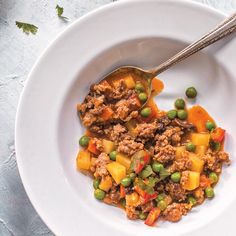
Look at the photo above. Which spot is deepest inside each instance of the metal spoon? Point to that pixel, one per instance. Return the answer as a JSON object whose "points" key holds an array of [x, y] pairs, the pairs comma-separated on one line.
{"points": [[227, 27]]}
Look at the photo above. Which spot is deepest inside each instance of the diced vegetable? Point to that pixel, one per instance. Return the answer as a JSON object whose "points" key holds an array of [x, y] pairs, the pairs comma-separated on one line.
{"points": [[209, 191], [126, 181], [157, 86], [218, 134], [210, 125], [139, 160], [180, 103], [152, 216], [191, 92], [146, 172], [162, 205], [83, 160], [117, 171], [123, 160], [108, 146], [190, 180], [139, 87], [204, 181], [129, 81], [201, 150], [96, 183], [190, 147], [84, 141], [92, 147], [172, 114], [179, 151], [157, 167], [196, 163], [107, 113], [182, 114], [106, 183], [213, 177], [200, 139], [146, 112], [122, 191], [112, 155], [143, 97], [132, 199], [175, 177], [99, 194]]}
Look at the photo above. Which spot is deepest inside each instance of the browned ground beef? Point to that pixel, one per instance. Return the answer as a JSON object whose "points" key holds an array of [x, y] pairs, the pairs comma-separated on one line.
{"points": [[176, 192], [101, 162], [131, 212], [183, 163], [164, 154]]}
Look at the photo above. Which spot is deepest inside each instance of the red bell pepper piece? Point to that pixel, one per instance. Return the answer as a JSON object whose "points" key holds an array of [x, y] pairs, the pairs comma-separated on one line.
{"points": [[144, 196], [140, 163], [152, 216], [218, 135]]}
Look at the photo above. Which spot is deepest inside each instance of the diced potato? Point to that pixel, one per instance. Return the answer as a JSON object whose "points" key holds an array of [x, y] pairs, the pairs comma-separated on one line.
{"points": [[132, 199], [117, 171], [129, 81], [190, 180], [201, 150], [108, 146], [83, 160], [200, 139], [196, 163], [179, 151], [106, 184], [123, 160]]}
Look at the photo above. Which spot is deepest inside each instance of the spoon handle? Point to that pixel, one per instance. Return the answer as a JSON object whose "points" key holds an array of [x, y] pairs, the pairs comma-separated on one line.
{"points": [[224, 29]]}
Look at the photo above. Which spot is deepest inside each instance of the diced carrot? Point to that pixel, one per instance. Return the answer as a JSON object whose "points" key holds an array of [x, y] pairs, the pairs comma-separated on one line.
{"points": [[198, 116], [107, 113], [157, 86], [218, 135], [204, 181], [92, 147], [122, 191]]}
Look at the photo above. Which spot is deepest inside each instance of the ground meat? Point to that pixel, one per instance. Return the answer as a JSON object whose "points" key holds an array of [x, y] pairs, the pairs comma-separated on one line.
{"points": [[148, 206], [102, 88], [184, 178], [101, 162], [175, 211], [183, 163], [114, 195], [129, 146], [214, 160], [165, 154], [98, 144], [117, 132], [131, 212], [146, 131], [199, 195], [176, 192], [119, 91]]}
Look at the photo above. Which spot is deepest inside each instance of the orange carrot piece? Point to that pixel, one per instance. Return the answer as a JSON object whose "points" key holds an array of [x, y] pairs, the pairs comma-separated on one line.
{"points": [[107, 113]]}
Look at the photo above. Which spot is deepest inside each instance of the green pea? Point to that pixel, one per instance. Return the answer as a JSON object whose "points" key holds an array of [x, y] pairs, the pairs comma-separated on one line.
{"points": [[191, 92], [146, 112], [113, 155], [190, 147], [175, 177], [213, 177], [132, 176], [172, 114], [157, 167], [99, 194], [162, 205], [96, 183], [210, 125], [139, 88], [160, 197], [192, 200], [182, 114], [84, 141], [143, 215], [209, 191], [126, 182], [180, 103], [142, 97]]}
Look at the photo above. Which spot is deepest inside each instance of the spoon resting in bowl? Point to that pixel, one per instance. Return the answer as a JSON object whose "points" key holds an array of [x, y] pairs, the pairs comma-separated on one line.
{"points": [[227, 27]]}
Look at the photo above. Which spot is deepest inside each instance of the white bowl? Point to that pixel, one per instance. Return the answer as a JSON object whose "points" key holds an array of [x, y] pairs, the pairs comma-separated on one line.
{"points": [[142, 33]]}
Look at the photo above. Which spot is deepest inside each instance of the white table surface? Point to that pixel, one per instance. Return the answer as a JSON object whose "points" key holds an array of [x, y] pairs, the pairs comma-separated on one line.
{"points": [[18, 53]]}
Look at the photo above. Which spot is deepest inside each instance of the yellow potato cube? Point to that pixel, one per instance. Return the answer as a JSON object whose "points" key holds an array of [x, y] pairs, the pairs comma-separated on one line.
{"points": [[117, 171], [108, 146], [200, 139], [179, 151], [129, 81], [132, 199], [196, 163], [106, 184], [83, 160], [130, 125], [123, 160], [201, 150], [190, 180]]}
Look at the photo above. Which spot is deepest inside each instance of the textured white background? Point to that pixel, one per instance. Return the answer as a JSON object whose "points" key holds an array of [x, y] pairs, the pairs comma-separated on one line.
{"points": [[18, 52]]}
